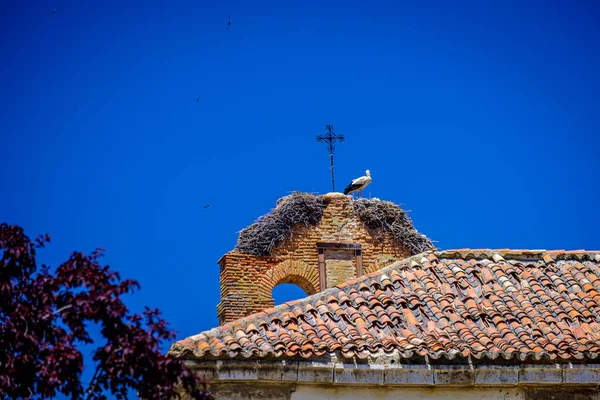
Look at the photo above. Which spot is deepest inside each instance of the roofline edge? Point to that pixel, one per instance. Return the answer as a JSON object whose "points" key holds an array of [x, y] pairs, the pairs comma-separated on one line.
{"points": [[417, 375]]}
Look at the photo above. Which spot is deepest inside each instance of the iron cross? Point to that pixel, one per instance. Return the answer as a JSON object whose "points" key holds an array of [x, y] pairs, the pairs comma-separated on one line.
{"points": [[330, 138]]}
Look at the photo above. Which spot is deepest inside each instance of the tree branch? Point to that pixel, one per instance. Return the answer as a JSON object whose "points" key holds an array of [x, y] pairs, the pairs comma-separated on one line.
{"points": [[57, 311], [96, 376], [91, 388]]}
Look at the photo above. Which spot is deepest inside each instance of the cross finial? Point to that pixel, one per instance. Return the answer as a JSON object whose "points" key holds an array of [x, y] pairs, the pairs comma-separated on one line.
{"points": [[330, 138]]}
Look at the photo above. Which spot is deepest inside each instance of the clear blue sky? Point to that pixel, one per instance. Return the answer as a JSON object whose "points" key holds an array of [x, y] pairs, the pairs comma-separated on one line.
{"points": [[482, 118]]}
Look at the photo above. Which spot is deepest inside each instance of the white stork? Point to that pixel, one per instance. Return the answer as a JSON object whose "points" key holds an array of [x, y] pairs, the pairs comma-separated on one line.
{"points": [[358, 184]]}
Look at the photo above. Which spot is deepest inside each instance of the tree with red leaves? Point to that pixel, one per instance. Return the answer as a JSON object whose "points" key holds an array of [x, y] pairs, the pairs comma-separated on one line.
{"points": [[44, 316]]}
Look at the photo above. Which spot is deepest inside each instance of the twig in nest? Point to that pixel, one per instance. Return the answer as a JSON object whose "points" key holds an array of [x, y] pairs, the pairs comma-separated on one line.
{"points": [[264, 234], [384, 215]]}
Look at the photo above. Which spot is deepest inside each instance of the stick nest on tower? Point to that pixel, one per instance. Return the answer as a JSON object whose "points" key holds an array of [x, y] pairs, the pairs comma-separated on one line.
{"points": [[380, 215], [304, 208], [264, 234]]}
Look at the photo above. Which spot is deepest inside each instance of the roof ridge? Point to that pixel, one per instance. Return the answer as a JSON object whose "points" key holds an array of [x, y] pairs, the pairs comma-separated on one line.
{"points": [[517, 254]]}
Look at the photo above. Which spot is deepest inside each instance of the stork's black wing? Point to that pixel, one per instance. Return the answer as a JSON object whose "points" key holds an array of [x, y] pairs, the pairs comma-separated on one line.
{"points": [[351, 187]]}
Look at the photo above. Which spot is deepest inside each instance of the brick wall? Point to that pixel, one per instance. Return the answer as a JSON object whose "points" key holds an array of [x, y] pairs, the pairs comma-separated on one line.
{"points": [[243, 291], [247, 281]]}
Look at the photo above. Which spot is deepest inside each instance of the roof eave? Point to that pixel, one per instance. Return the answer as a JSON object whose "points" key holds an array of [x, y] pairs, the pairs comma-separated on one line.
{"points": [[380, 374]]}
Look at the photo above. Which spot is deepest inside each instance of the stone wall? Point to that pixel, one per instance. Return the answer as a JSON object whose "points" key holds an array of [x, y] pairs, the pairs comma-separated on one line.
{"points": [[382, 379], [247, 281], [274, 391], [312, 392]]}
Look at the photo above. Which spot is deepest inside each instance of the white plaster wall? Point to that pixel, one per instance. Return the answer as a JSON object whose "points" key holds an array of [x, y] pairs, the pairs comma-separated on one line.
{"points": [[320, 393]]}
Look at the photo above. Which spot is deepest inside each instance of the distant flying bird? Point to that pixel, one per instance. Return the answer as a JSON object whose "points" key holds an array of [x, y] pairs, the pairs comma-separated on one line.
{"points": [[358, 184], [197, 99], [228, 22], [206, 206], [53, 12]]}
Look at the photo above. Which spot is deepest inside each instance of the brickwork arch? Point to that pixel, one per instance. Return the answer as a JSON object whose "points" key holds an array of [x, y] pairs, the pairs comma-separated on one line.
{"points": [[298, 273], [299, 281]]}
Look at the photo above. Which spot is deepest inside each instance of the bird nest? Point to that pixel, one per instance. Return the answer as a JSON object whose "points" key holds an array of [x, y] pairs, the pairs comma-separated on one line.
{"points": [[380, 215], [304, 208], [267, 231]]}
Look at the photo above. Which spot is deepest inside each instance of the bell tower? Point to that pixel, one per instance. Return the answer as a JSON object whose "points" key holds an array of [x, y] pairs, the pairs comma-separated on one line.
{"points": [[315, 242]]}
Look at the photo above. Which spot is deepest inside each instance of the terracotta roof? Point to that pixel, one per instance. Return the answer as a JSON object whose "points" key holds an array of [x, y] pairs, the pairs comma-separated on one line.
{"points": [[520, 304]]}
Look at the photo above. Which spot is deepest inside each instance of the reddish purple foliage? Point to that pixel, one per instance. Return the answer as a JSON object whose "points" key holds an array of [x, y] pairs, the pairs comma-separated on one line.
{"points": [[43, 317]]}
